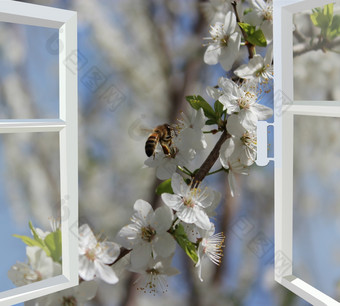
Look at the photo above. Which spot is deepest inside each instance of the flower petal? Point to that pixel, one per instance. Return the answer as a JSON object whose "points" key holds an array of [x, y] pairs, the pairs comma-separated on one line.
{"points": [[262, 112], [248, 119], [202, 219], [172, 200], [165, 245], [227, 149], [127, 236], [234, 126], [229, 23], [187, 215], [143, 208], [211, 55], [178, 185], [105, 272], [110, 252], [86, 237], [86, 268], [162, 219]]}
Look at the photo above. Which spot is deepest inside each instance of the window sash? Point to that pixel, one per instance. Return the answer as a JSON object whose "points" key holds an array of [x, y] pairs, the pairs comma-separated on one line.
{"points": [[284, 110], [67, 127]]}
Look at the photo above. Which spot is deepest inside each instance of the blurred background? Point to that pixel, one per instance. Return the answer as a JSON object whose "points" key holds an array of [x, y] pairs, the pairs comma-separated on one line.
{"points": [[137, 60]]}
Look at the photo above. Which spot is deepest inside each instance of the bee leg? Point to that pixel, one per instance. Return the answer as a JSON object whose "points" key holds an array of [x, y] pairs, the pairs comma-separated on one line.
{"points": [[173, 152]]}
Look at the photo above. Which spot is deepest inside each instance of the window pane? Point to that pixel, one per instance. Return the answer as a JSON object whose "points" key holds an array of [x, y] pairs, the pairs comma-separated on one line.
{"points": [[316, 55], [29, 72], [29, 191], [316, 248]]}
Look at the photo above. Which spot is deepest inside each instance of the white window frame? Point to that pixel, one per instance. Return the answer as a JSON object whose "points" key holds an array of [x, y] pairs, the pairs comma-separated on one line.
{"points": [[285, 108], [67, 127]]}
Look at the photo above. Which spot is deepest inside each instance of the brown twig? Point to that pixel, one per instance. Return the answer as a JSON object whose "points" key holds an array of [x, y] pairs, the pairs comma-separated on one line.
{"points": [[320, 45], [248, 44], [210, 161]]}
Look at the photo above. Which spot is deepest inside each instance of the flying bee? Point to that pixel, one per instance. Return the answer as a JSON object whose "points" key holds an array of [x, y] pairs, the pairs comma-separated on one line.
{"points": [[162, 134]]}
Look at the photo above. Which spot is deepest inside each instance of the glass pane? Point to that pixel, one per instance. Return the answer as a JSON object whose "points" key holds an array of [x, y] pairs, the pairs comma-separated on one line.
{"points": [[29, 192], [29, 72], [316, 46], [316, 247]]}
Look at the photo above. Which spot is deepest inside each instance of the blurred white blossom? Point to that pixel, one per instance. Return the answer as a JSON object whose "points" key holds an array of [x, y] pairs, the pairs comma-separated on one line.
{"points": [[78, 295], [39, 267]]}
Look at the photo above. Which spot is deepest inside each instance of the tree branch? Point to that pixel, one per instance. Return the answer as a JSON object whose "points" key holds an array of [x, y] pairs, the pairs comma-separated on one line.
{"points": [[248, 44], [210, 161], [305, 47]]}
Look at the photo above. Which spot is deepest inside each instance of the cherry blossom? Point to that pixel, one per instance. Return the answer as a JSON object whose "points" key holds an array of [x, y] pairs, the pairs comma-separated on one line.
{"points": [[147, 235], [94, 256]]}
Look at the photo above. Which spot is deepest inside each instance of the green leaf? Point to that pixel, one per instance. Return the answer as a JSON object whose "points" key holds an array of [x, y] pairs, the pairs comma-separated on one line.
{"points": [[198, 102], [28, 240], [210, 122], [257, 38], [334, 29], [164, 187], [183, 241], [218, 106], [53, 243], [37, 241], [322, 18], [35, 234], [247, 28]]}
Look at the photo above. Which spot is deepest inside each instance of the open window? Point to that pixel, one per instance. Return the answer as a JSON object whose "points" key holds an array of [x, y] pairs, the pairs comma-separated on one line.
{"points": [[60, 131], [307, 155]]}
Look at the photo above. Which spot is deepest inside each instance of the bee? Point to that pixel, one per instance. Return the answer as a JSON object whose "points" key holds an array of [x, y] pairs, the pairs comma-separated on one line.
{"points": [[162, 134]]}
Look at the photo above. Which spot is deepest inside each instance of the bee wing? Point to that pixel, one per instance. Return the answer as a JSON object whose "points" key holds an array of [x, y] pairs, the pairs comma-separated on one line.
{"points": [[137, 131], [146, 131]]}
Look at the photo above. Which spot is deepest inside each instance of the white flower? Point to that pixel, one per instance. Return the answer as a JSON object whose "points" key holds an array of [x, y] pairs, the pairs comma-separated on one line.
{"points": [[233, 164], [242, 99], [190, 135], [147, 236], [78, 295], [94, 257], [241, 146], [210, 247], [154, 275], [225, 43], [188, 203], [39, 267], [262, 16], [258, 68]]}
